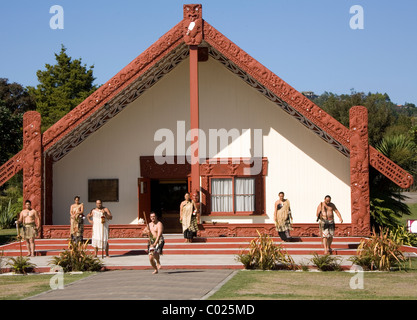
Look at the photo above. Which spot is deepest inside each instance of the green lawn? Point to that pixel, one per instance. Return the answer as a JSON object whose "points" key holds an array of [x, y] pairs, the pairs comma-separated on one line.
{"points": [[7, 235], [291, 285], [413, 208], [16, 287]]}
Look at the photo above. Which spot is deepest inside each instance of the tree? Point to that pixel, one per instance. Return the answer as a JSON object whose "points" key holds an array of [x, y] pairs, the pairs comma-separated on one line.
{"points": [[387, 202], [14, 101], [61, 87], [380, 109], [391, 131]]}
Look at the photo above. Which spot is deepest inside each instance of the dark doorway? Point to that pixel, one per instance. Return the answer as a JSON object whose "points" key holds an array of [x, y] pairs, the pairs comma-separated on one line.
{"points": [[166, 197]]}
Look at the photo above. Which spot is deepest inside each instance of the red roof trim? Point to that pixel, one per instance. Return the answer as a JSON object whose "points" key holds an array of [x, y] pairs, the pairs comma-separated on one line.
{"points": [[115, 85], [276, 85]]}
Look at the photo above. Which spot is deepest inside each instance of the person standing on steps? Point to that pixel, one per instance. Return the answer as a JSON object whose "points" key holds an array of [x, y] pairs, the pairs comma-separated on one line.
{"points": [[99, 217], [189, 216], [31, 223], [325, 217], [283, 217], [76, 220]]}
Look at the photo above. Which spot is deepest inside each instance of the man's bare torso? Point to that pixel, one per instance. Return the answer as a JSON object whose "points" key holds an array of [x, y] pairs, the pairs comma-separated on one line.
{"points": [[327, 212], [155, 228], [28, 215]]}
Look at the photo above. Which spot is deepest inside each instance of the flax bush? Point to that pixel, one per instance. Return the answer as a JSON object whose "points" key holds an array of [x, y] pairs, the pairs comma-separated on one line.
{"points": [[379, 252], [21, 265], [326, 262], [263, 254], [76, 258]]}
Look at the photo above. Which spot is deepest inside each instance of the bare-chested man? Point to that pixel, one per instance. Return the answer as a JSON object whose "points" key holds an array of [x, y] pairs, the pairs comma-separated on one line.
{"points": [[31, 222], [156, 241], [326, 224]]}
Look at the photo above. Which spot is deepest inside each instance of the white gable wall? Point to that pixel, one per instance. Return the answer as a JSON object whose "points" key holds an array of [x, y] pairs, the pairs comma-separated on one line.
{"points": [[299, 163]]}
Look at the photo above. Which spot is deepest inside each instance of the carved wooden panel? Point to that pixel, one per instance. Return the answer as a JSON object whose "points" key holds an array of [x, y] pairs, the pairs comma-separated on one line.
{"points": [[193, 24], [32, 164], [389, 169], [11, 167], [359, 171]]}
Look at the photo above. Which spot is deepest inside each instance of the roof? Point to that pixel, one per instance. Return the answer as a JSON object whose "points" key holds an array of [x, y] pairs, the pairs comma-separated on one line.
{"points": [[163, 56]]}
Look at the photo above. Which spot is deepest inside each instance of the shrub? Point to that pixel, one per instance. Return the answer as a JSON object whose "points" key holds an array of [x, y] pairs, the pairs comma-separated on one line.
{"points": [[21, 265], [263, 254], [326, 262], [7, 215], [379, 252], [401, 236], [76, 258]]}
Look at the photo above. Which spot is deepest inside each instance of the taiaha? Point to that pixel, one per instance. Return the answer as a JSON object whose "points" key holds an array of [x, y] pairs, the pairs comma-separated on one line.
{"points": [[103, 221], [19, 237], [149, 229]]}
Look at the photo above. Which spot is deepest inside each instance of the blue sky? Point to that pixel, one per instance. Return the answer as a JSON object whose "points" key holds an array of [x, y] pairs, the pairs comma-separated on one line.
{"points": [[309, 44]]}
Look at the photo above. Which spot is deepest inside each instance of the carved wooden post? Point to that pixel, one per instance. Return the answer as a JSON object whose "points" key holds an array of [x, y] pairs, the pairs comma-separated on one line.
{"points": [[193, 36], [359, 171], [32, 163]]}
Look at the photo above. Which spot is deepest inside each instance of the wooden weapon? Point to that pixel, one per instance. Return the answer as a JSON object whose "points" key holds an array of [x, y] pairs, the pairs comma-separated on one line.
{"points": [[149, 229], [103, 221], [19, 237]]}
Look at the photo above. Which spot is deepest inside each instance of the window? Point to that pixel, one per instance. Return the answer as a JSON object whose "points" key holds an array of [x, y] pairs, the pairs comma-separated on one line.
{"points": [[233, 194]]}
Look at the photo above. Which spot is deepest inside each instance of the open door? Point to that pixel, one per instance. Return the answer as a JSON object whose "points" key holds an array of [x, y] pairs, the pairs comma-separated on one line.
{"points": [[144, 197]]}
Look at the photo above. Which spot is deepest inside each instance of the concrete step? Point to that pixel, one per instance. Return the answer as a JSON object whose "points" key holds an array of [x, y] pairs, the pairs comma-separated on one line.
{"points": [[174, 244]]}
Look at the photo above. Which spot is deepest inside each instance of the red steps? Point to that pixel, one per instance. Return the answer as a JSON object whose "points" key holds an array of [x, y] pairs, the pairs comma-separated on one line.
{"points": [[175, 245]]}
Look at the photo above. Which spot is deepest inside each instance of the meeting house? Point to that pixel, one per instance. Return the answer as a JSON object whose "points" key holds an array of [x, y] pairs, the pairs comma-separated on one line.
{"points": [[196, 113]]}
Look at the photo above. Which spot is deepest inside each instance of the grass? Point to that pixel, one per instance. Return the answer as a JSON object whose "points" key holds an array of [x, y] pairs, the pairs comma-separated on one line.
{"points": [[17, 287], [413, 216], [290, 285], [7, 235]]}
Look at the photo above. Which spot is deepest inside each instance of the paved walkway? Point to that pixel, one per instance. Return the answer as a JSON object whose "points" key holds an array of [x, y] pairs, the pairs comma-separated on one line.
{"points": [[143, 285]]}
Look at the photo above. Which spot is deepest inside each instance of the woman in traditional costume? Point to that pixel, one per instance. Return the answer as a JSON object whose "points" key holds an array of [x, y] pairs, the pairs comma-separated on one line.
{"points": [[188, 218], [283, 217], [100, 217], [76, 219]]}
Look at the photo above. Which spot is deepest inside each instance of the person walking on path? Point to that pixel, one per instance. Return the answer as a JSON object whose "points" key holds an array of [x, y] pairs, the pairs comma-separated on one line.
{"points": [[156, 242], [100, 217], [30, 220], [325, 217]]}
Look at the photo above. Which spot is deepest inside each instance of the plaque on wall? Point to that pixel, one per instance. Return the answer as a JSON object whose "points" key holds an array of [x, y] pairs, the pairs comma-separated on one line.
{"points": [[106, 190]]}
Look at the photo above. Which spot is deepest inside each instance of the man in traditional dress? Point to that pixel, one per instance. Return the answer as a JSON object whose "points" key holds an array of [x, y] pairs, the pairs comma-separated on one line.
{"points": [[100, 217], [156, 241], [326, 222], [283, 217], [189, 218], [31, 222], [76, 220]]}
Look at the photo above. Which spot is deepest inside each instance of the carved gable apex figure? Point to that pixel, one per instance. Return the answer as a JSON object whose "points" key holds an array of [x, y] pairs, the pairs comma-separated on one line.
{"points": [[193, 24]]}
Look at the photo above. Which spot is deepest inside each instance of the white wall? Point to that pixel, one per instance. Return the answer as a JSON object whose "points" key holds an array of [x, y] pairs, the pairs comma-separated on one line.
{"points": [[113, 151], [301, 164]]}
